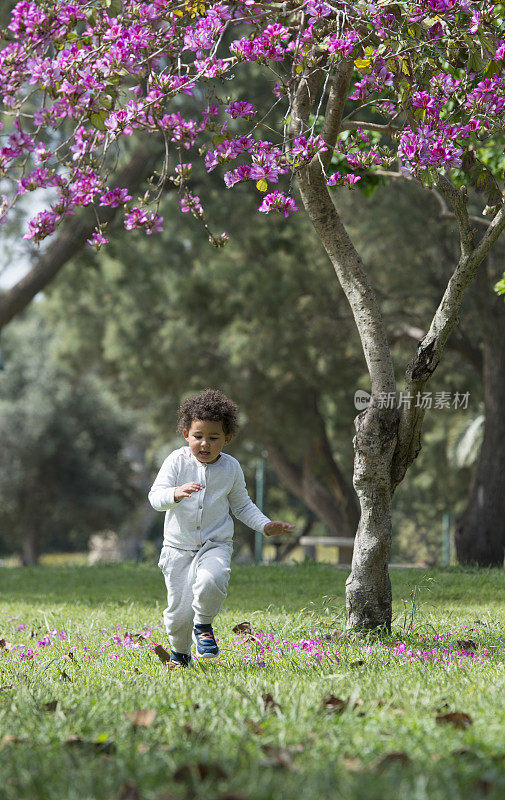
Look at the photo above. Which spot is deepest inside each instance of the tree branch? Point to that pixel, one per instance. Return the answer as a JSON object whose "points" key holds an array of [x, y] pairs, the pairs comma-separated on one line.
{"points": [[72, 238], [335, 108], [430, 348], [337, 243]]}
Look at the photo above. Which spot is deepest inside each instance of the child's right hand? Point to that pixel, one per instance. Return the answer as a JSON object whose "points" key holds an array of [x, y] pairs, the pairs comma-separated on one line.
{"points": [[185, 490]]}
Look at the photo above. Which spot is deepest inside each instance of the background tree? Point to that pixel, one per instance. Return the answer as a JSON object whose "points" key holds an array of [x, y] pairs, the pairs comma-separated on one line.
{"points": [[62, 475]]}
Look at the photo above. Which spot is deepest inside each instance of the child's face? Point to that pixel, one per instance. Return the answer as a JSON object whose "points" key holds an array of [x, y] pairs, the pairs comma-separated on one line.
{"points": [[206, 439]]}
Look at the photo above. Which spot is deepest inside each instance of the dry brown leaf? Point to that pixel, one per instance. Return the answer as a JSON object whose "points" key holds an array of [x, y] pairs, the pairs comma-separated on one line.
{"points": [[458, 719], [139, 637], [5, 645], [162, 654], [254, 726], [200, 769], [395, 757], [51, 705], [66, 678], [243, 627], [142, 717], [335, 704], [269, 702], [466, 644]]}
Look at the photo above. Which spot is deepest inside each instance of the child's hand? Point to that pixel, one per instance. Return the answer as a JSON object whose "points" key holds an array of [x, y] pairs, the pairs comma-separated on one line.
{"points": [[185, 490], [278, 527]]}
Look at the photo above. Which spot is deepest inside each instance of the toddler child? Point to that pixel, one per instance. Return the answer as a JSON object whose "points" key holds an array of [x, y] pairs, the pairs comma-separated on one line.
{"points": [[198, 486]]}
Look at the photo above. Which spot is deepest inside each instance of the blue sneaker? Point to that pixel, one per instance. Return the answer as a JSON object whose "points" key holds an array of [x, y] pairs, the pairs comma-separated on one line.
{"points": [[206, 645], [179, 659]]}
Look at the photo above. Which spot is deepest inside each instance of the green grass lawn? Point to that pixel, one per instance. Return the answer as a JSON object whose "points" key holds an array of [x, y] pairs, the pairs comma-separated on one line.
{"points": [[260, 722]]}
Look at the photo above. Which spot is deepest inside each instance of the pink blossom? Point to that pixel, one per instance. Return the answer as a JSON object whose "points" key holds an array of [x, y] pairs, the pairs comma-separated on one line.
{"points": [[277, 201]]}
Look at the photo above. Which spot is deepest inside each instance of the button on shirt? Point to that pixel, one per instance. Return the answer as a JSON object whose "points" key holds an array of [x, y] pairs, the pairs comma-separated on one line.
{"points": [[204, 514]]}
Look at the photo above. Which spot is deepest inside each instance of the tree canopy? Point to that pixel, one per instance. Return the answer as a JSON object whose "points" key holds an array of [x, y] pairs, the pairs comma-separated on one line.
{"points": [[430, 72]]}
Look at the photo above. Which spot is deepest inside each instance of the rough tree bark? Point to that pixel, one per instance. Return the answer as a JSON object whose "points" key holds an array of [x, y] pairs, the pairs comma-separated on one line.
{"points": [[480, 531], [386, 442]]}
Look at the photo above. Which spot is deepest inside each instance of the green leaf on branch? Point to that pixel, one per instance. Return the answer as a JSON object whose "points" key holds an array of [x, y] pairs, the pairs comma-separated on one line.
{"points": [[98, 118]]}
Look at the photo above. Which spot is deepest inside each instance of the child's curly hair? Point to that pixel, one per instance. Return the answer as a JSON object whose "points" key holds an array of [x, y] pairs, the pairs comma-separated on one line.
{"points": [[211, 405]]}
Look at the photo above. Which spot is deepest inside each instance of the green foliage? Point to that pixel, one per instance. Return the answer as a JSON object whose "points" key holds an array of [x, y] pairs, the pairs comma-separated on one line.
{"points": [[500, 285], [62, 474]]}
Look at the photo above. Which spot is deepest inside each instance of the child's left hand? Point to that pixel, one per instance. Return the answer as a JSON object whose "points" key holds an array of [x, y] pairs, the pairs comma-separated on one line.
{"points": [[277, 527]]}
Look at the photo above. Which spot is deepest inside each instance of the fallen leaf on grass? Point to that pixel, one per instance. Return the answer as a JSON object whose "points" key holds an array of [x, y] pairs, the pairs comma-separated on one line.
{"points": [[137, 637], [466, 644], [333, 703], [254, 726], [106, 747], [5, 645], [66, 678], [458, 719], [51, 705], [162, 654], [142, 717], [279, 756], [200, 769], [129, 792], [244, 627], [395, 757], [269, 703]]}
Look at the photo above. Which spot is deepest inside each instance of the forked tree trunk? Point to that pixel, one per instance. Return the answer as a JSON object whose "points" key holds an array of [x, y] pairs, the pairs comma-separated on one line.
{"points": [[480, 531]]}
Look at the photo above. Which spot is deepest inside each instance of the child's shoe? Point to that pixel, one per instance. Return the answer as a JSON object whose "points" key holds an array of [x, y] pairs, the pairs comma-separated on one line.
{"points": [[206, 645], [179, 659]]}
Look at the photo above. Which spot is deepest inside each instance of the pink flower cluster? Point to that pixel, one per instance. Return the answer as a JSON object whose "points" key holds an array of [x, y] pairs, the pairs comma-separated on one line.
{"points": [[103, 74]]}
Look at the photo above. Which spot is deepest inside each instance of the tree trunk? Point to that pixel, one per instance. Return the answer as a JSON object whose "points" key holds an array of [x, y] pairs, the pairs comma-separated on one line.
{"points": [[368, 588], [480, 531], [31, 548]]}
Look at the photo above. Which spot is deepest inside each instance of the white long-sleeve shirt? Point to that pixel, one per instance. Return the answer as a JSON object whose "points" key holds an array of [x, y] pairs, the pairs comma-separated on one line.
{"points": [[204, 514]]}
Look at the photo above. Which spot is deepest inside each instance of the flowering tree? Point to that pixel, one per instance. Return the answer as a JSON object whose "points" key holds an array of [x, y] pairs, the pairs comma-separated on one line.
{"points": [[411, 89]]}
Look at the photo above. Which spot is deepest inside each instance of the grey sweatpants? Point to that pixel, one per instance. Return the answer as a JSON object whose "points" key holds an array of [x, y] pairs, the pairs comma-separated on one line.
{"points": [[196, 583]]}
